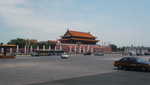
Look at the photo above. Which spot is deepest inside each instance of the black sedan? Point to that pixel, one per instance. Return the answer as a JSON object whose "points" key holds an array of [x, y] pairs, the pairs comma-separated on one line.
{"points": [[88, 53], [132, 63]]}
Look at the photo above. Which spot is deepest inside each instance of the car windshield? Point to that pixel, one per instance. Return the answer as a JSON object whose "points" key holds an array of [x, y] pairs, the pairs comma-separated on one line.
{"points": [[140, 60]]}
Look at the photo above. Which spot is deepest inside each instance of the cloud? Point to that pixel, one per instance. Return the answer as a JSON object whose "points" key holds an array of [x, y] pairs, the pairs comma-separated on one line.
{"points": [[24, 19], [25, 22]]}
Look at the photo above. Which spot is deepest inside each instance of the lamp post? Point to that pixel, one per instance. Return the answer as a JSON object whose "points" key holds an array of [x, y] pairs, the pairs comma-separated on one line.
{"points": [[25, 49], [10, 50], [70, 49], [43, 47], [79, 49], [2, 50], [31, 49], [75, 49], [49, 47], [38, 48], [27, 46], [17, 49]]}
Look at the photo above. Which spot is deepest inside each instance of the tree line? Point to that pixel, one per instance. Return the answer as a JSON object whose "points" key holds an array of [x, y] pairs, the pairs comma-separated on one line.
{"points": [[31, 42]]}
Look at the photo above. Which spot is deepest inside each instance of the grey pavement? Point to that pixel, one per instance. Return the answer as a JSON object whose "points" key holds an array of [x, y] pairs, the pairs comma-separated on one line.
{"points": [[77, 70], [112, 78]]}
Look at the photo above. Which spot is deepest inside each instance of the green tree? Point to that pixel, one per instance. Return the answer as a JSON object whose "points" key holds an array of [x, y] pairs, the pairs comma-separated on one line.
{"points": [[121, 49], [113, 47], [47, 44], [19, 41], [1, 43]]}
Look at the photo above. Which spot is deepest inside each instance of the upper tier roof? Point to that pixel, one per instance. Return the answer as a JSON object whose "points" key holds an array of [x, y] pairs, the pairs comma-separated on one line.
{"points": [[79, 34]]}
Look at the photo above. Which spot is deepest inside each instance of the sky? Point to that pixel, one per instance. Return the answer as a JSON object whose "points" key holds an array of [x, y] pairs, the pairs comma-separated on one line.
{"points": [[120, 22]]}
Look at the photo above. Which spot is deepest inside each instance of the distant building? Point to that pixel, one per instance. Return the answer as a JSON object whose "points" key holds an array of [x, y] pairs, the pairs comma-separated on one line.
{"points": [[75, 37], [80, 42]]}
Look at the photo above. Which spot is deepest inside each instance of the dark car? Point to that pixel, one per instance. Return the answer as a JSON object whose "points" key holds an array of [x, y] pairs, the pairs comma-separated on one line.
{"points": [[132, 63], [99, 54], [88, 53]]}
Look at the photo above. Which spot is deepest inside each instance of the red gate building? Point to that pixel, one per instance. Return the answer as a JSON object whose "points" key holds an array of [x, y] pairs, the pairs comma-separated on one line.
{"points": [[80, 42]]}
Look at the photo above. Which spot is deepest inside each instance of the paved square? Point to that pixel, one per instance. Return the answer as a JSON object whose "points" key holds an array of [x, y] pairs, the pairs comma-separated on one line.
{"points": [[77, 70]]}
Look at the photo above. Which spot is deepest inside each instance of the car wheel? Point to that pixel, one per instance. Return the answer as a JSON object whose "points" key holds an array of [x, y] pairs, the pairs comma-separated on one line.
{"points": [[143, 69], [119, 67]]}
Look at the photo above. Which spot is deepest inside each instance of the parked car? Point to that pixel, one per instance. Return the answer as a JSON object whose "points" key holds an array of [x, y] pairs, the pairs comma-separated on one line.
{"points": [[99, 54], [88, 53], [65, 56], [34, 54], [132, 63]]}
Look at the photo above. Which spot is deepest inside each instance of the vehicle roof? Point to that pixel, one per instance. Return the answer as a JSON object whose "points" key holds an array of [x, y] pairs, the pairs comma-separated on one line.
{"points": [[140, 60], [131, 57]]}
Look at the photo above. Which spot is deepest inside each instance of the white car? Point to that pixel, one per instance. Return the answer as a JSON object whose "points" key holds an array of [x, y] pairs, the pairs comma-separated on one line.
{"points": [[65, 56]]}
